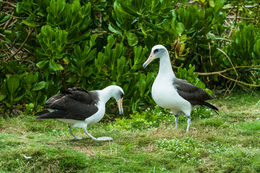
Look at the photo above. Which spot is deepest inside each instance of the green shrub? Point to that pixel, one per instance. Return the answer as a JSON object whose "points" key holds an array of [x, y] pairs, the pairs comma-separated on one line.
{"points": [[96, 43], [244, 50]]}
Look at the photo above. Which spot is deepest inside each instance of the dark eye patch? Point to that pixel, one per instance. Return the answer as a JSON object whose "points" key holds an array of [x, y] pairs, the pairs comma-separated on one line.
{"points": [[122, 95], [156, 50]]}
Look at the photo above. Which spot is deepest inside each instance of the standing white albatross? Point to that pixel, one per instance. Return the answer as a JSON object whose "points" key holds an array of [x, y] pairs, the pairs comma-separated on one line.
{"points": [[80, 108], [172, 93]]}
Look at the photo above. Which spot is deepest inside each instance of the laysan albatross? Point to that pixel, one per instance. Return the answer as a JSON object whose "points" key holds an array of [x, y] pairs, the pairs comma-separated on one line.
{"points": [[172, 93], [80, 108]]}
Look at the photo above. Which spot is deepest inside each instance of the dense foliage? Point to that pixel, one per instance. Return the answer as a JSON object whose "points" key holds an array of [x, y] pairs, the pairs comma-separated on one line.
{"points": [[47, 46]]}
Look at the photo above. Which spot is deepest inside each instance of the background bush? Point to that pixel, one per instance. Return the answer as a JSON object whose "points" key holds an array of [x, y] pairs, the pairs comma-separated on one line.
{"points": [[47, 46]]}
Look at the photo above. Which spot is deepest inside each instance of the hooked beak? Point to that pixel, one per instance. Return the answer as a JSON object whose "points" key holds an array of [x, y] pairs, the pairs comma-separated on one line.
{"points": [[120, 106], [149, 60]]}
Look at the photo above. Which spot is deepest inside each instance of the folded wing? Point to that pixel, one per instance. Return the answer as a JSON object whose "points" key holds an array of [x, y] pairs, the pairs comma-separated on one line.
{"points": [[74, 103], [191, 93]]}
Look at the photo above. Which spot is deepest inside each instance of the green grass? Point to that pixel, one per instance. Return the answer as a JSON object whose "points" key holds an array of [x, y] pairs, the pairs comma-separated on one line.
{"points": [[146, 142]]}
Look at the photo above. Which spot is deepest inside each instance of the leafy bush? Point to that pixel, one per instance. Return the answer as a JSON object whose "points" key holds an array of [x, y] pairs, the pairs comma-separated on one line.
{"points": [[52, 45], [244, 50]]}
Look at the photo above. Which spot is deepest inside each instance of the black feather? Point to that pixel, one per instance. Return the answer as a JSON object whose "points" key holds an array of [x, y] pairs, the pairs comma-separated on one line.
{"points": [[193, 94], [42, 112], [60, 114], [74, 103]]}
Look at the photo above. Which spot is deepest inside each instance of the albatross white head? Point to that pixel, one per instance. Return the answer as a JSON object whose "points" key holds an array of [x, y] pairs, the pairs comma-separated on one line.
{"points": [[117, 93], [157, 51]]}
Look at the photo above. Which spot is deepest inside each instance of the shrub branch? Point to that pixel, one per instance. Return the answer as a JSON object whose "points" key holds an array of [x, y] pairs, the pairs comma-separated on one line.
{"points": [[228, 60], [220, 73], [28, 35]]}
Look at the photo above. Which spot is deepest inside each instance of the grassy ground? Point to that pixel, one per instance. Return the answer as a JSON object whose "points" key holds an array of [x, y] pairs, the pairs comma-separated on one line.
{"points": [[148, 142]]}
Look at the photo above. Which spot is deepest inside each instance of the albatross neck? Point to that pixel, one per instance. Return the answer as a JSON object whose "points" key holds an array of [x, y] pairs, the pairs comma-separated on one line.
{"points": [[106, 93], [165, 66]]}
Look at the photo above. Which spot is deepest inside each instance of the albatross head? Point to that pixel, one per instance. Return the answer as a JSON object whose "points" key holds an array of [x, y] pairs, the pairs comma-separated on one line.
{"points": [[158, 51], [118, 94]]}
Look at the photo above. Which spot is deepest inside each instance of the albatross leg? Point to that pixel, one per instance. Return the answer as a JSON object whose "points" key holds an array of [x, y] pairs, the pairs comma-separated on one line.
{"points": [[99, 138], [176, 121], [188, 123], [75, 137], [176, 114]]}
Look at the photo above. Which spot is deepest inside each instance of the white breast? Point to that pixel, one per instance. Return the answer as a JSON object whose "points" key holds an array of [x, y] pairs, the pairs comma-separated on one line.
{"points": [[98, 115], [166, 96], [74, 123]]}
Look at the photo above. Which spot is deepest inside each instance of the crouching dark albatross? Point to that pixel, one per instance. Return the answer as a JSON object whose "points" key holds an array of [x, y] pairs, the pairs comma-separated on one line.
{"points": [[80, 108], [172, 93]]}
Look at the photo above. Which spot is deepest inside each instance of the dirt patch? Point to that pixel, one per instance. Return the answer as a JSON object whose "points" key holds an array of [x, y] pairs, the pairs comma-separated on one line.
{"points": [[249, 111], [90, 151]]}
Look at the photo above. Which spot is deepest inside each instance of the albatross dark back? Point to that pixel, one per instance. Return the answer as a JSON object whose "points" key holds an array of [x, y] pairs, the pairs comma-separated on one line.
{"points": [[193, 94], [74, 103]]}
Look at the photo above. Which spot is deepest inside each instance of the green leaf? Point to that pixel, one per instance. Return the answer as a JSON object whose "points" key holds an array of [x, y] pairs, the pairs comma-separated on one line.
{"points": [[7, 104], [257, 47], [5, 18], [19, 98], [219, 4], [111, 41], [132, 39], [121, 64], [31, 77], [179, 28], [211, 3], [137, 53], [142, 84], [112, 29], [149, 78], [39, 86], [13, 83], [2, 97], [41, 64], [92, 41], [54, 66], [174, 16], [30, 23], [18, 7]]}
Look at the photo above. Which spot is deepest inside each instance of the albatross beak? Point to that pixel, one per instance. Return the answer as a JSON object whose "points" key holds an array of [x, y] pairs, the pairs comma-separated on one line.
{"points": [[150, 59], [120, 106]]}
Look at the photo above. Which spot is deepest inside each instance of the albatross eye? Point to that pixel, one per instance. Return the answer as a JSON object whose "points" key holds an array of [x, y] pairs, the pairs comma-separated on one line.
{"points": [[156, 50]]}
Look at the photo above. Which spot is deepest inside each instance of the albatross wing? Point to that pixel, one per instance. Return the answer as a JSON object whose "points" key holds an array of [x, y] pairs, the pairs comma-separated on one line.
{"points": [[193, 94], [74, 103]]}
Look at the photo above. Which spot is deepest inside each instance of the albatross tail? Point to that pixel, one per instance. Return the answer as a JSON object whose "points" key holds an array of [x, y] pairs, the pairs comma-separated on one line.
{"points": [[42, 112], [50, 115], [210, 106]]}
